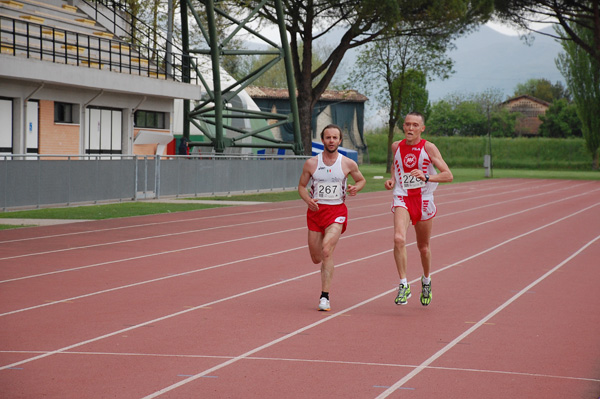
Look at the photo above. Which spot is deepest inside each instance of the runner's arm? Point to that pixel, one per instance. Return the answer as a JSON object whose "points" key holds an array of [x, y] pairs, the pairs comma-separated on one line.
{"points": [[307, 171], [359, 179], [444, 174], [391, 182]]}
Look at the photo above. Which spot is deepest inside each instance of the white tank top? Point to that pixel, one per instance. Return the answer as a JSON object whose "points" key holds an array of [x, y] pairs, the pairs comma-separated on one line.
{"points": [[328, 184]]}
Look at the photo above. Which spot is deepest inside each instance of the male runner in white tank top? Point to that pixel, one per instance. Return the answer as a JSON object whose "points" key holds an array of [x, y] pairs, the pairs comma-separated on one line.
{"points": [[414, 179], [327, 215]]}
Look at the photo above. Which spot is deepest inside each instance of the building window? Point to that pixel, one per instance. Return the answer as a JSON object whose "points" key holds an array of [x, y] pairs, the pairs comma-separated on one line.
{"points": [[63, 113], [149, 119], [6, 125], [103, 131]]}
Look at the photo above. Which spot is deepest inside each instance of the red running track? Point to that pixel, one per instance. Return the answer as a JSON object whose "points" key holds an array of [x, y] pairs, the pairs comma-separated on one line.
{"points": [[221, 303]]}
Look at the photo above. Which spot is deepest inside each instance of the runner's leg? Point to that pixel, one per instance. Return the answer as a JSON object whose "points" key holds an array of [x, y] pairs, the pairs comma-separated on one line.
{"points": [[423, 231], [401, 223], [330, 240], [315, 246]]}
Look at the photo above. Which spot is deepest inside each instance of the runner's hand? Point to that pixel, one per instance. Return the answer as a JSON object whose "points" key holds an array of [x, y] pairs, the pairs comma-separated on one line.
{"points": [[312, 205], [352, 190]]}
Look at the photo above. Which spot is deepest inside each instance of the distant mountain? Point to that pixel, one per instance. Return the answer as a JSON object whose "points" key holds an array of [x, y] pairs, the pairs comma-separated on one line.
{"points": [[488, 59], [485, 59]]}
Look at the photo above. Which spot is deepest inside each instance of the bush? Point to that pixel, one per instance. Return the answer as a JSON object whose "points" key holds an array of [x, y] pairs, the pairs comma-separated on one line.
{"points": [[513, 153]]}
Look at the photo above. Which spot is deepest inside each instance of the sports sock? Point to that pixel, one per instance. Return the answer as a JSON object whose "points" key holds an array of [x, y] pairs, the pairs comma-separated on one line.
{"points": [[325, 295], [404, 282], [426, 280]]}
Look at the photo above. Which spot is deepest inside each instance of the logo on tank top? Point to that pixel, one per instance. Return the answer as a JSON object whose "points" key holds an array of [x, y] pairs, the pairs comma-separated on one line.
{"points": [[410, 160]]}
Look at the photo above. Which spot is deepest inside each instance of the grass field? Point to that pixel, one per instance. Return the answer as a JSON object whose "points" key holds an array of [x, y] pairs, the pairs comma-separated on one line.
{"points": [[508, 153], [375, 175]]}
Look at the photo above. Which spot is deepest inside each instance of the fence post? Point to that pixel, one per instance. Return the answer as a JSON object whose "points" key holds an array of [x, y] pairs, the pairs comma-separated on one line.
{"points": [[487, 164], [69, 181], [157, 176], [135, 178]]}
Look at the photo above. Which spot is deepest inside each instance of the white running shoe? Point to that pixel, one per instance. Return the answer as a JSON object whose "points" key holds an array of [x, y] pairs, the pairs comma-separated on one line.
{"points": [[324, 304]]}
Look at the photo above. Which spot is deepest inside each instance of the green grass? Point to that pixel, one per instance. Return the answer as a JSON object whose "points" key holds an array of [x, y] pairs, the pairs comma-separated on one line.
{"points": [[126, 209], [508, 153], [109, 211]]}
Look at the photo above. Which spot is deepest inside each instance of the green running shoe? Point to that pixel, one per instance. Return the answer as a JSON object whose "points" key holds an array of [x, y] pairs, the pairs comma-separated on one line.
{"points": [[426, 294], [403, 294]]}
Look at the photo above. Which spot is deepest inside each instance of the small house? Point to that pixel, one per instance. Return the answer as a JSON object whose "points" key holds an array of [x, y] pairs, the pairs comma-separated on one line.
{"points": [[345, 108], [530, 109]]}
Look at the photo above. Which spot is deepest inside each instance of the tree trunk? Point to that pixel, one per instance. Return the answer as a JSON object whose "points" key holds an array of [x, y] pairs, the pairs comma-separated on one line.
{"points": [[390, 156], [305, 116]]}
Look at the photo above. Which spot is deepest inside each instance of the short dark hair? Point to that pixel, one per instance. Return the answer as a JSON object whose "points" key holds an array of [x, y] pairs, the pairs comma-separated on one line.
{"points": [[415, 113], [331, 126]]}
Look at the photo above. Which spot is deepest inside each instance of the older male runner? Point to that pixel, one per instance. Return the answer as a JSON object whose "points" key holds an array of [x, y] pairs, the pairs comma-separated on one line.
{"points": [[414, 181]]}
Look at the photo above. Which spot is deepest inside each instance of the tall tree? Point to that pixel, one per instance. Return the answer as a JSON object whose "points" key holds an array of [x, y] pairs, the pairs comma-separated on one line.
{"points": [[560, 121], [489, 101], [394, 70], [571, 15], [274, 77], [542, 89], [582, 73], [471, 115], [361, 21]]}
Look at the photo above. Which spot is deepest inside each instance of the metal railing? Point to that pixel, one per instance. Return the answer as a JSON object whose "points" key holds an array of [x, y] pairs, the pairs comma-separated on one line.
{"points": [[35, 181], [48, 43]]}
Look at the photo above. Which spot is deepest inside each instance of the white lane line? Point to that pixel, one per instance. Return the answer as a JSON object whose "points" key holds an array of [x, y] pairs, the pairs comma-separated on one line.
{"points": [[147, 238], [261, 256], [315, 361], [184, 220], [169, 316], [301, 330], [79, 344], [283, 231], [242, 224], [151, 255], [457, 340], [363, 198]]}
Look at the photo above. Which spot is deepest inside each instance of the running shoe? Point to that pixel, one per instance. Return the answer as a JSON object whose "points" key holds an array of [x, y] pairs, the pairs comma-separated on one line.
{"points": [[426, 294], [324, 304], [403, 294]]}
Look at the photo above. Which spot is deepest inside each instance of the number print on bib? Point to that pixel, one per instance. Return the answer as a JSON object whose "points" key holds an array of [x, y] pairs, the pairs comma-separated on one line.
{"points": [[411, 182], [329, 191]]}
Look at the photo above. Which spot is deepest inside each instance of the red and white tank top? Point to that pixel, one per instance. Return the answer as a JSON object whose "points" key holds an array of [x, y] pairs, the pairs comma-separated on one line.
{"points": [[328, 184], [407, 158]]}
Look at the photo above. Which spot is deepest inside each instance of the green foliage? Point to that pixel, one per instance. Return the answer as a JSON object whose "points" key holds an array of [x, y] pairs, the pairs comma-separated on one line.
{"points": [[275, 76], [516, 153], [415, 94], [503, 122], [542, 89], [464, 119], [387, 67], [360, 22], [582, 73], [471, 115], [560, 121], [574, 14]]}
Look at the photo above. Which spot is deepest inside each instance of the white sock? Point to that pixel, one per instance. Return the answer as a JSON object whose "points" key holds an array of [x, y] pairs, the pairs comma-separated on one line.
{"points": [[426, 280], [404, 282]]}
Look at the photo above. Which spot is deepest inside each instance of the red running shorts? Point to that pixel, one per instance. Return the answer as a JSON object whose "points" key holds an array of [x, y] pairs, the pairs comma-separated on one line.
{"points": [[327, 215]]}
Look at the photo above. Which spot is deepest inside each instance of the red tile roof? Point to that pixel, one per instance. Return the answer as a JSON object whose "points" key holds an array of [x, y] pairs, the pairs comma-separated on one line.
{"points": [[328, 95]]}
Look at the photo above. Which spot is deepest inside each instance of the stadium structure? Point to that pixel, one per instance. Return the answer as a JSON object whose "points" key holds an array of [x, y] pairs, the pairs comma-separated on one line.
{"points": [[87, 77]]}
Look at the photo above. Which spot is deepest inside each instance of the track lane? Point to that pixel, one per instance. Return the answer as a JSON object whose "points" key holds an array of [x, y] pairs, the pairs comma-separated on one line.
{"points": [[344, 295]]}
